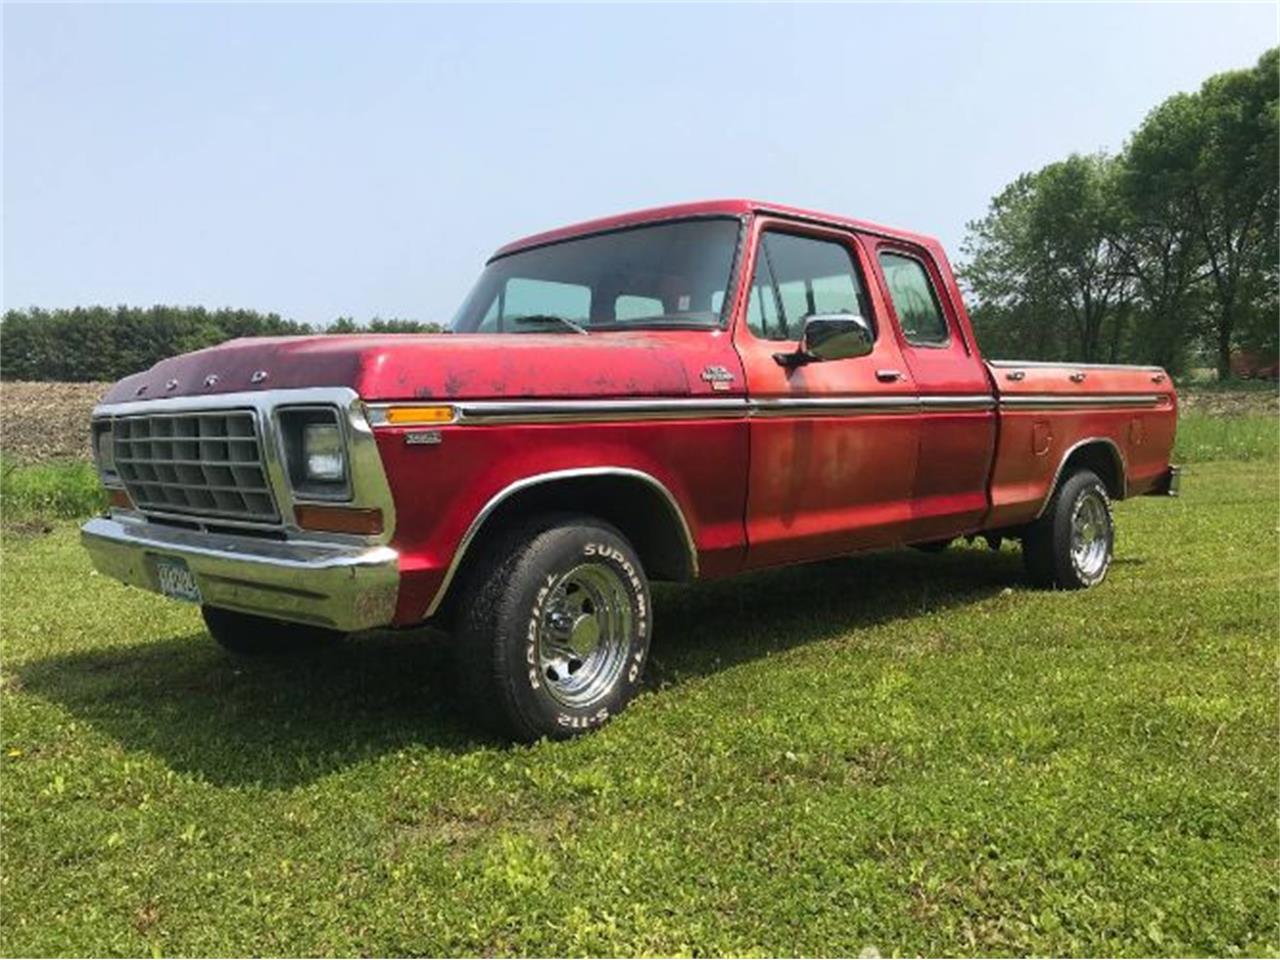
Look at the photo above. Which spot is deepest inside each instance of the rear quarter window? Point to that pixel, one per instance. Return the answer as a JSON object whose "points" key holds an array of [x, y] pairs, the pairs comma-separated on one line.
{"points": [[914, 300]]}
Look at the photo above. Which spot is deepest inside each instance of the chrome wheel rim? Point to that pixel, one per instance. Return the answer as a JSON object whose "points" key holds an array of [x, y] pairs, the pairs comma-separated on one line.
{"points": [[1090, 536], [584, 634]]}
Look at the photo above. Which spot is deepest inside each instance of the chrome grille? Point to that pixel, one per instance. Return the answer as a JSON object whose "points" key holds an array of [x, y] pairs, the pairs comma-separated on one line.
{"points": [[206, 463]]}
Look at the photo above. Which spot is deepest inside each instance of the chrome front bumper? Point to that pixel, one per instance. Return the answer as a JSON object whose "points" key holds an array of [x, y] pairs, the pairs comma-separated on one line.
{"points": [[346, 587]]}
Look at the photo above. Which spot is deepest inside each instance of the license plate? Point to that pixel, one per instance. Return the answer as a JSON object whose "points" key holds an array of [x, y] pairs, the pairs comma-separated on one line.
{"points": [[176, 579]]}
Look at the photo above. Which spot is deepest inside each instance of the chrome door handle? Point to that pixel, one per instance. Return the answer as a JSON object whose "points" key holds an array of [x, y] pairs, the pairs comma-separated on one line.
{"points": [[888, 376], [1077, 378]]}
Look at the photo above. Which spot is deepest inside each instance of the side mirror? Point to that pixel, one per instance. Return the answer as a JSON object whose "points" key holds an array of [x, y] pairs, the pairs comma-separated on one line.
{"points": [[830, 336]]}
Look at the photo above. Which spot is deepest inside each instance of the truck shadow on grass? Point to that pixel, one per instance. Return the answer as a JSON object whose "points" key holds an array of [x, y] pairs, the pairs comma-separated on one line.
{"points": [[701, 629], [285, 723]]}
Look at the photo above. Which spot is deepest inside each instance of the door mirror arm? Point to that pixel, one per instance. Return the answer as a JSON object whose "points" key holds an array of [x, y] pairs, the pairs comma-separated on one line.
{"points": [[829, 336], [794, 358]]}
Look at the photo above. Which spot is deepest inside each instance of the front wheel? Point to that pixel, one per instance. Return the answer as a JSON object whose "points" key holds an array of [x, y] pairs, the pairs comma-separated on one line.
{"points": [[247, 635], [1070, 546], [554, 628]]}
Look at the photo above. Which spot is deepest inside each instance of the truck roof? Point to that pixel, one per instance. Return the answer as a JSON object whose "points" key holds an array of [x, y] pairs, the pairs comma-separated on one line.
{"points": [[703, 208]]}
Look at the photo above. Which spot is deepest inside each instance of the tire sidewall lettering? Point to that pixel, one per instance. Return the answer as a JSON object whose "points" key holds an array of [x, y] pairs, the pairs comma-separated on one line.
{"points": [[531, 631], [594, 550]]}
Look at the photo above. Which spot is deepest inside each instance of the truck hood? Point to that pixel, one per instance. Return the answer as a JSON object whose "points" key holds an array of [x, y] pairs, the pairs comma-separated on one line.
{"points": [[441, 366]]}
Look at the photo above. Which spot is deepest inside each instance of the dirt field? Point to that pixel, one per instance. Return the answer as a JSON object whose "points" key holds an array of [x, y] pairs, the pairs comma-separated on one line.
{"points": [[43, 422], [1230, 403]]}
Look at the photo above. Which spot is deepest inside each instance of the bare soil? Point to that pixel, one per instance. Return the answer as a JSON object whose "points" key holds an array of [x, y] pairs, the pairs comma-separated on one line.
{"points": [[1230, 403], [44, 422]]}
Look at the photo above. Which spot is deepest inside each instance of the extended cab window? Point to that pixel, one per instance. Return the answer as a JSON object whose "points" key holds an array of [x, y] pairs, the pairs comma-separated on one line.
{"points": [[796, 277], [914, 300]]}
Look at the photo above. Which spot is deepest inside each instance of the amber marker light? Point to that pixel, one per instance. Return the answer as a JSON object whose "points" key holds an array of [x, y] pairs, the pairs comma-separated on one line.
{"points": [[330, 519], [417, 416], [118, 498]]}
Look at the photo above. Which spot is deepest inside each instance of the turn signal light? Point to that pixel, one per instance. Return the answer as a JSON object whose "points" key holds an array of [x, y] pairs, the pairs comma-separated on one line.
{"points": [[404, 416], [362, 520], [118, 498]]}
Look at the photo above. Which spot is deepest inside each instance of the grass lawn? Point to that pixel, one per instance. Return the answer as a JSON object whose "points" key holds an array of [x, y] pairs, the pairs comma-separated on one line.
{"points": [[914, 753]]}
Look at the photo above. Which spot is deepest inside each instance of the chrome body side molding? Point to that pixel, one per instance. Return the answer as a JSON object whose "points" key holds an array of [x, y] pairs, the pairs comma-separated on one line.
{"points": [[588, 411], [1056, 401], [833, 406], [1061, 365], [957, 402], [489, 412], [525, 483]]}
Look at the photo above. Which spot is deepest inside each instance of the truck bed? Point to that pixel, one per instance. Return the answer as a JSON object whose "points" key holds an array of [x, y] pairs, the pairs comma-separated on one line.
{"points": [[1049, 411]]}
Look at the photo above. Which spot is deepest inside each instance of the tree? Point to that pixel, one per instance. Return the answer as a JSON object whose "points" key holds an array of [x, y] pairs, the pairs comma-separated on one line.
{"points": [[397, 325], [343, 325], [381, 325], [1045, 257], [1142, 256], [1072, 234], [1211, 158], [105, 343], [1157, 234]]}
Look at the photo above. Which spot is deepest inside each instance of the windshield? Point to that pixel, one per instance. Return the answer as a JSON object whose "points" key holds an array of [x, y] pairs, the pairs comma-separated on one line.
{"points": [[665, 275]]}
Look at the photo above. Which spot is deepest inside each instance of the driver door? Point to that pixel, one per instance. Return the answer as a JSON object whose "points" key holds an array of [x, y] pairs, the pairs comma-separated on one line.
{"points": [[833, 444]]}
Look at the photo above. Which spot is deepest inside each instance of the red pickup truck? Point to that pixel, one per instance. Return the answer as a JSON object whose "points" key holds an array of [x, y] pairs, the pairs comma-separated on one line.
{"points": [[680, 393]]}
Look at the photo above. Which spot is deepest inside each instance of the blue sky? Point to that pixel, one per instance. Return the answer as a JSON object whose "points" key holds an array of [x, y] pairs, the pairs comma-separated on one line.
{"points": [[321, 160]]}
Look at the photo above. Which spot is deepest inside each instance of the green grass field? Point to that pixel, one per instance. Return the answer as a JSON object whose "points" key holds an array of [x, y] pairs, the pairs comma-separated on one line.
{"points": [[914, 753], [1204, 438], [46, 491]]}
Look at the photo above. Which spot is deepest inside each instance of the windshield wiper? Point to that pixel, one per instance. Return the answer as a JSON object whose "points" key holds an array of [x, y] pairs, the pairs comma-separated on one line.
{"points": [[551, 318]]}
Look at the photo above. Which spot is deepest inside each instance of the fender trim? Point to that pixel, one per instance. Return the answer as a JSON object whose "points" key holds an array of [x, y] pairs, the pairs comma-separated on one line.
{"points": [[630, 473], [1116, 453]]}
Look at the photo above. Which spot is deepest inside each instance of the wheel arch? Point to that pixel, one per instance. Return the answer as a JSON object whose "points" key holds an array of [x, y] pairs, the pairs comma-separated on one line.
{"points": [[643, 509], [1099, 454]]}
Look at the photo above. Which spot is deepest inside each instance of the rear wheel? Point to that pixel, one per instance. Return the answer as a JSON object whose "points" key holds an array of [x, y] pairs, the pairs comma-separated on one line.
{"points": [[248, 635], [1070, 546], [553, 630]]}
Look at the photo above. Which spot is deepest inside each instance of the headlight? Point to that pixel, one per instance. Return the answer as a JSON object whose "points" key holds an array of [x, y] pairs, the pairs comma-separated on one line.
{"points": [[315, 452], [323, 457]]}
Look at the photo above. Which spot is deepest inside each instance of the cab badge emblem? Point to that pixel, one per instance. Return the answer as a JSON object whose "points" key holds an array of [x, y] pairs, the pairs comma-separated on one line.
{"points": [[419, 438], [718, 377]]}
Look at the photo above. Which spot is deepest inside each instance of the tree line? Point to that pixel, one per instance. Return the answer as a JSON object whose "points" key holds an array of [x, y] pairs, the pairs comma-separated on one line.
{"points": [[1164, 253], [107, 343]]}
